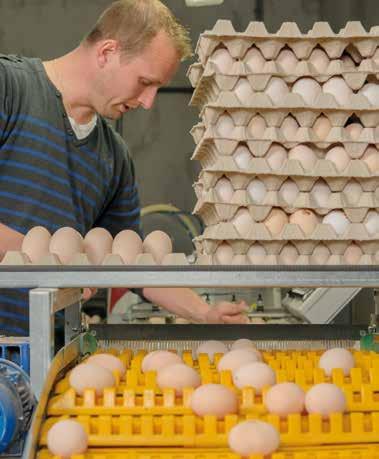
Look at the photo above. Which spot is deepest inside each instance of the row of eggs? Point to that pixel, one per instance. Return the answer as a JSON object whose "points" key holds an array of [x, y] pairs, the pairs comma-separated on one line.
{"points": [[288, 191], [287, 60], [66, 243], [68, 437], [277, 156], [288, 255]]}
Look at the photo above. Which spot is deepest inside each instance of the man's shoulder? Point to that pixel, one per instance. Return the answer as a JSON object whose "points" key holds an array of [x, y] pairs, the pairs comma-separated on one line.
{"points": [[13, 63], [113, 138]]}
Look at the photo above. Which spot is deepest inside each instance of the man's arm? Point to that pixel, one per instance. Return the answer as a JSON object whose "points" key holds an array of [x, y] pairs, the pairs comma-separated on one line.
{"points": [[9, 240]]}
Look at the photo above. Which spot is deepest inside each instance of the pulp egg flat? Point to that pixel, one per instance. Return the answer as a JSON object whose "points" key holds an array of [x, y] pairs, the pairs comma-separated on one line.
{"points": [[372, 222], [287, 61], [236, 358], [67, 438], [243, 221], [214, 400], [257, 191], [353, 191], [276, 221], [242, 157], [289, 255], [321, 193], [91, 376], [319, 59], [337, 87], [225, 126], [158, 244], [371, 92], [289, 127], [108, 361], [66, 243], [253, 438], [257, 254], [224, 254], [211, 347], [304, 155], [337, 220], [222, 59], [325, 399], [339, 157], [289, 191], [320, 255], [224, 189], [256, 374], [276, 90], [254, 60], [337, 358], [243, 90], [308, 88], [177, 376], [257, 127], [128, 245], [97, 244], [371, 158], [306, 219], [347, 62], [156, 360], [284, 399], [36, 243], [276, 157], [322, 127], [354, 130]]}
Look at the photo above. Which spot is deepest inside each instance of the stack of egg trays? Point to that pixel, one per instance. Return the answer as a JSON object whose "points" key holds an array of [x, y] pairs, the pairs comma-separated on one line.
{"points": [[214, 96]]}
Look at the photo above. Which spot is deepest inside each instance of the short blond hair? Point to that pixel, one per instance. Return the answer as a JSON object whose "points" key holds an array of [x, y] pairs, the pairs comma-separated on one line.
{"points": [[134, 23]]}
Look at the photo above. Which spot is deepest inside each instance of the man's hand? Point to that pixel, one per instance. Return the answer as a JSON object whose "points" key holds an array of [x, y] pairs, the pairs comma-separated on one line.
{"points": [[227, 313], [88, 293]]}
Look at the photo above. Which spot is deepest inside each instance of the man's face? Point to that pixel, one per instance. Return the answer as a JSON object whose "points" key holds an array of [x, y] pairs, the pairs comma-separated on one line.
{"points": [[127, 83]]}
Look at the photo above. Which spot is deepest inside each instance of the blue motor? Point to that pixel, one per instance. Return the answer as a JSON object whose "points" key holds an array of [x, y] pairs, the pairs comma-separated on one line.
{"points": [[16, 407]]}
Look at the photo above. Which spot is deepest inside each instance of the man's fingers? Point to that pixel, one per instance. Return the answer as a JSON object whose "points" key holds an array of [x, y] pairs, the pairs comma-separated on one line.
{"points": [[236, 319], [231, 309]]}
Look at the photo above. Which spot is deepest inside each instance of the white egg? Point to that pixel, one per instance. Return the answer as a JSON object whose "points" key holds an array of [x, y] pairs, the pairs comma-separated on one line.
{"points": [[322, 127], [256, 374], [339, 157], [304, 155], [321, 193], [306, 219], [91, 376], [289, 255], [371, 158], [284, 399], [222, 60], [289, 127], [319, 59], [372, 222], [276, 221], [224, 254], [257, 254], [108, 361], [254, 60], [289, 191], [178, 376], [214, 400], [243, 221], [337, 358], [253, 438], [224, 189], [243, 90], [225, 126], [67, 438], [257, 191], [320, 255], [236, 358], [353, 190], [371, 91], [337, 220], [338, 88], [308, 88], [354, 130], [156, 360], [276, 90], [257, 127], [276, 157], [287, 61], [211, 348], [242, 157], [243, 343], [325, 399]]}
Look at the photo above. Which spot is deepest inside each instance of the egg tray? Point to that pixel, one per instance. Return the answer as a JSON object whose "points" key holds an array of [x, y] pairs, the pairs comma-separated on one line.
{"points": [[208, 432], [270, 44], [341, 452], [12, 258], [212, 147]]}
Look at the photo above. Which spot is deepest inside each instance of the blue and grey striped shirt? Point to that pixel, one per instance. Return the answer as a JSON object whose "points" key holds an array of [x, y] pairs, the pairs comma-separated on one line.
{"points": [[50, 178]]}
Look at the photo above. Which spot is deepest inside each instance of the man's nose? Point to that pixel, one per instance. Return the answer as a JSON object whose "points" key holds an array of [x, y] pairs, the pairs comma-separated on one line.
{"points": [[147, 98]]}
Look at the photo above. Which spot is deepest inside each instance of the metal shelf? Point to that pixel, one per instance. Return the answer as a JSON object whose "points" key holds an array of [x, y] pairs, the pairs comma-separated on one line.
{"points": [[187, 276]]}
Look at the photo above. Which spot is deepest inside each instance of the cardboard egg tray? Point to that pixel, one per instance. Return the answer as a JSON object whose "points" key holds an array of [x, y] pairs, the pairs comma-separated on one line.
{"points": [[270, 44], [81, 259]]}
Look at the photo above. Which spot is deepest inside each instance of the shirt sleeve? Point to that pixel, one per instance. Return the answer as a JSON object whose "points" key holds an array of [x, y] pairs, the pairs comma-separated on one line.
{"points": [[5, 95]]}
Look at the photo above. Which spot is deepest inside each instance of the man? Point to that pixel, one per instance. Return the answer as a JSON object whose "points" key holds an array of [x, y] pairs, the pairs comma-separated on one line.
{"points": [[61, 163]]}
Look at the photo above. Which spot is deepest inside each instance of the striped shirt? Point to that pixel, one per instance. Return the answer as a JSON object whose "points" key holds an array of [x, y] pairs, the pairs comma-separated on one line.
{"points": [[48, 177]]}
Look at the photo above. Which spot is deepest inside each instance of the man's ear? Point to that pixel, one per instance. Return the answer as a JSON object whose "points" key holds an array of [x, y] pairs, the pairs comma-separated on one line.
{"points": [[106, 51]]}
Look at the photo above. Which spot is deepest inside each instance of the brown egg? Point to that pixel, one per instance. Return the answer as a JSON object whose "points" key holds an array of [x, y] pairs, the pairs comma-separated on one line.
{"points": [[97, 244], [276, 157], [214, 400], [284, 399], [178, 376], [304, 155], [289, 255], [257, 254], [224, 254], [66, 243], [91, 376], [257, 127], [322, 127], [158, 244], [306, 220], [339, 158], [128, 245], [354, 130], [36, 244], [289, 127], [67, 438], [108, 361], [276, 221], [371, 158], [325, 399], [320, 255], [156, 360], [251, 438]]}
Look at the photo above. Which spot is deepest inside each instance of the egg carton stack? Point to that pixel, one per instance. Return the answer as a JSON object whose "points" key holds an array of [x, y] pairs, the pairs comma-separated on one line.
{"points": [[288, 143]]}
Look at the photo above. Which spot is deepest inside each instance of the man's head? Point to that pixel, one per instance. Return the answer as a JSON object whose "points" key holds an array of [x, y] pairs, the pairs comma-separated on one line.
{"points": [[137, 46]]}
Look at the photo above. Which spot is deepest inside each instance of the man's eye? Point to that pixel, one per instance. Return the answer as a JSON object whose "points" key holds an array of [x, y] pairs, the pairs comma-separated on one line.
{"points": [[146, 82]]}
